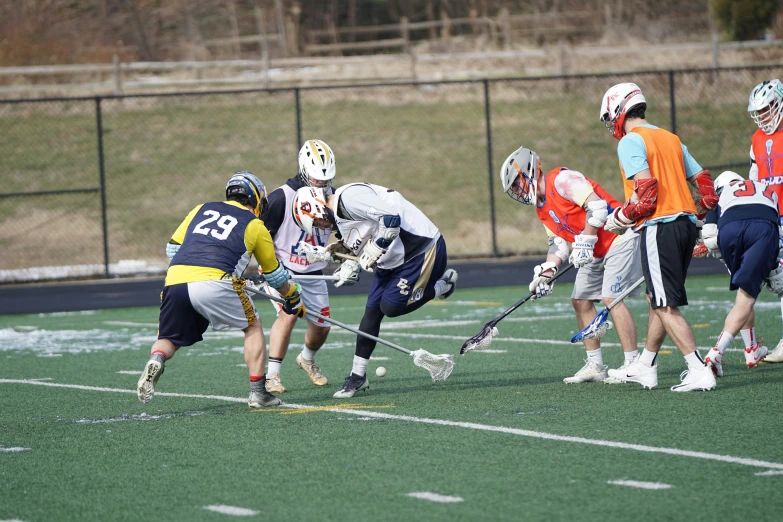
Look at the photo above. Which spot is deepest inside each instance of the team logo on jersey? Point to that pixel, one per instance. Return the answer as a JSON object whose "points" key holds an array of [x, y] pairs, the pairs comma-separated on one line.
{"points": [[417, 295], [561, 224], [554, 216], [769, 147], [403, 286]]}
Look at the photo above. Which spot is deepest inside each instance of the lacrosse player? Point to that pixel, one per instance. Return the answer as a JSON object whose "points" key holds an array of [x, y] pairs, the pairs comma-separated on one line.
{"points": [[316, 169], [744, 229], [395, 241], [657, 170], [573, 210], [766, 154], [209, 252]]}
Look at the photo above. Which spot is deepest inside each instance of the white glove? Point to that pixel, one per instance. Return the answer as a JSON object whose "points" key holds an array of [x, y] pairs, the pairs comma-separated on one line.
{"points": [[775, 280], [370, 256], [348, 273], [582, 253], [617, 223], [709, 234], [171, 250], [539, 283]]}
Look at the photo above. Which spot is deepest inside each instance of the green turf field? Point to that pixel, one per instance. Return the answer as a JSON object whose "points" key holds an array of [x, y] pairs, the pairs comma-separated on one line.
{"points": [[502, 439]]}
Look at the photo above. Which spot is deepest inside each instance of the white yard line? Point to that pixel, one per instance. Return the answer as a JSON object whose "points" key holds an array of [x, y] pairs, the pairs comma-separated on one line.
{"points": [[640, 485], [434, 497], [14, 450], [769, 473], [129, 372], [231, 510], [438, 422]]}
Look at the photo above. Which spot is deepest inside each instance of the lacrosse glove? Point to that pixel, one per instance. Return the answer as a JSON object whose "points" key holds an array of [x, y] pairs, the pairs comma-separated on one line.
{"points": [[539, 284], [293, 301], [348, 272], [582, 253]]}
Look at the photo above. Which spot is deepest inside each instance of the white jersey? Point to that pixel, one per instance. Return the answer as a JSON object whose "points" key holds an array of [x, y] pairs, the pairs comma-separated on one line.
{"points": [[286, 234], [748, 192], [361, 206]]}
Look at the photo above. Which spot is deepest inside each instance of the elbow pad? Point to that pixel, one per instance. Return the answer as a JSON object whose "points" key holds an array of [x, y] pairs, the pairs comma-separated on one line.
{"points": [[388, 230], [558, 247], [597, 212], [277, 277], [643, 201], [172, 249]]}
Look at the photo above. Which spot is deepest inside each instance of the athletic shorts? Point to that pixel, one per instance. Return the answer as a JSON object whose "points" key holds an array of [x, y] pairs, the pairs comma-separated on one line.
{"points": [[750, 250], [411, 284], [315, 296], [667, 249], [187, 309], [613, 274]]}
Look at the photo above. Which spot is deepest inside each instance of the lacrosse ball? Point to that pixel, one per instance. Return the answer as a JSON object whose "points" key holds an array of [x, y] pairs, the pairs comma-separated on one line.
{"points": [[495, 332], [380, 371]]}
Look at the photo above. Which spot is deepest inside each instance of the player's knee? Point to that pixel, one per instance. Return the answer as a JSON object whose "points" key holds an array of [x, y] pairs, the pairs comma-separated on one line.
{"points": [[392, 310], [609, 300], [287, 320], [581, 305]]}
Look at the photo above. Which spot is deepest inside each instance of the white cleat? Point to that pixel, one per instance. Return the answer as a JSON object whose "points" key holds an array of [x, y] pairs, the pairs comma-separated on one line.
{"points": [[617, 376], [145, 388], [699, 379], [714, 360], [450, 276], [590, 372], [262, 400], [274, 384], [353, 383], [313, 371], [753, 356], [776, 355], [637, 372]]}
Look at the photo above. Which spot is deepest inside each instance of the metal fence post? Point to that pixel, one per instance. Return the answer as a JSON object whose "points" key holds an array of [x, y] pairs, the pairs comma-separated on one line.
{"points": [[488, 124], [298, 106], [102, 173], [672, 105]]}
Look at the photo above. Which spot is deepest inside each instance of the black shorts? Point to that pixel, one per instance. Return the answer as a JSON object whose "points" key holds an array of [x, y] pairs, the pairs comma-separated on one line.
{"points": [[667, 249], [179, 322]]}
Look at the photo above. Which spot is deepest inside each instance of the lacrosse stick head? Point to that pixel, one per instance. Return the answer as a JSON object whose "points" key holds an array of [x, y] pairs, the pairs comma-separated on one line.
{"points": [[439, 366], [596, 329], [482, 340], [315, 254]]}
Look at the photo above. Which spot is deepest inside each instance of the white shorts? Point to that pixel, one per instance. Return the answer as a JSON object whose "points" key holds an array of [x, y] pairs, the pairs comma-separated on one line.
{"points": [[315, 296], [224, 303], [612, 274]]}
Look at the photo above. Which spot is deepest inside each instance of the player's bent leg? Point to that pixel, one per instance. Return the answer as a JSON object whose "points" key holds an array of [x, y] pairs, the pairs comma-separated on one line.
{"points": [[162, 350], [314, 339], [594, 369], [279, 339], [357, 379], [255, 355]]}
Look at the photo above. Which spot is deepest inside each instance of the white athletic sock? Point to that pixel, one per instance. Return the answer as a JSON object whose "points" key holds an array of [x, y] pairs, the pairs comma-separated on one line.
{"points": [[308, 354], [630, 356], [274, 365], [725, 340], [748, 336], [359, 366], [596, 357], [441, 287], [647, 357], [694, 360]]}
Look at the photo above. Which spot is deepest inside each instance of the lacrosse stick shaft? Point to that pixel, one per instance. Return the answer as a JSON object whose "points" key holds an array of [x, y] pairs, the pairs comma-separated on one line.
{"points": [[332, 321], [625, 294], [529, 296], [298, 277], [345, 256]]}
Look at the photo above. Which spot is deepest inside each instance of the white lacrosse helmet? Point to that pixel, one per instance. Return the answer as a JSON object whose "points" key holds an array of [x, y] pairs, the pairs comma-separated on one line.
{"points": [[519, 175], [725, 179], [311, 211], [765, 105], [616, 103], [316, 164]]}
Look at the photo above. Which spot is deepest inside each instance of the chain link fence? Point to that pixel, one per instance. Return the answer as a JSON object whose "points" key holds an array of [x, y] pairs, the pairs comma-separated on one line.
{"points": [[96, 186]]}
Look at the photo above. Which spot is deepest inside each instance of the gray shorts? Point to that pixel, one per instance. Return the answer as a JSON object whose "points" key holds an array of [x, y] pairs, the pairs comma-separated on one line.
{"points": [[612, 274], [224, 303], [315, 296]]}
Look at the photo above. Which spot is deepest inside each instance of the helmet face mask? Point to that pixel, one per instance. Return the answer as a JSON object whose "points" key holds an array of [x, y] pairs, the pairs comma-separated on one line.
{"points": [[519, 175], [244, 183], [317, 166], [766, 105], [615, 105], [310, 210]]}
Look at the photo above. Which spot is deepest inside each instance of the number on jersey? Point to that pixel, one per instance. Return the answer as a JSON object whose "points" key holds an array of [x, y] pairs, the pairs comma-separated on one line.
{"points": [[225, 223]]}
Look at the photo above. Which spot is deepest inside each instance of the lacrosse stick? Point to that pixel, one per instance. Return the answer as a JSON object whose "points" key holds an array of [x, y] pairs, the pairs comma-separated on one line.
{"points": [[439, 366], [599, 326], [483, 339], [316, 254], [304, 277]]}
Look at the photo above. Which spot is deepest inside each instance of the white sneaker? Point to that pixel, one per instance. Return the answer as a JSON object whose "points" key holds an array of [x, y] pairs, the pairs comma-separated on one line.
{"points": [[450, 277], [262, 400], [776, 355], [714, 361], [590, 372], [615, 376], [753, 356], [145, 388], [313, 371], [695, 379], [638, 372], [273, 383]]}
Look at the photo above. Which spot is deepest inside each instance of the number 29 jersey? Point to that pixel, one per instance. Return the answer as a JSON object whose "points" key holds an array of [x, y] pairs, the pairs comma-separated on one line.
{"points": [[746, 199], [217, 241]]}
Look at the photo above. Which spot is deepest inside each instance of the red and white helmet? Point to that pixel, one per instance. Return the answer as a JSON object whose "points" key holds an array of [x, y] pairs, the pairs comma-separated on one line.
{"points": [[616, 103], [725, 179], [765, 105], [311, 211]]}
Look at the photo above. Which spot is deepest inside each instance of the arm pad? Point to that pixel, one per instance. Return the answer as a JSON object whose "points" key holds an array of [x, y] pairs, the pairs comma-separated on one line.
{"points": [[643, 201], [558, 247], [277, 277], [388, 230], [597, 212]]}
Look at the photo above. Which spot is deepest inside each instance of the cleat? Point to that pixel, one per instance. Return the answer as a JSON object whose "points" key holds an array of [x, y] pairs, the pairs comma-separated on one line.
{"points": [[262, 400], [699, 379], [753, 356], [776, 355], [616, 376], [637, 372], [273, 383], [353, 383], [590, 372], [313, 371], [714, 360], [145, 388], [449, 276]]}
